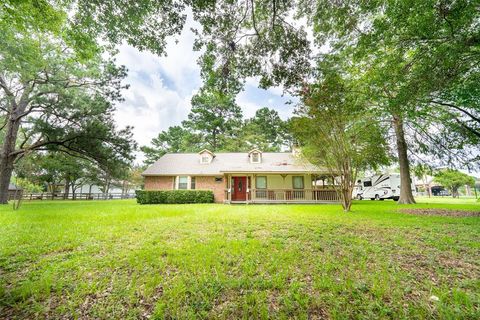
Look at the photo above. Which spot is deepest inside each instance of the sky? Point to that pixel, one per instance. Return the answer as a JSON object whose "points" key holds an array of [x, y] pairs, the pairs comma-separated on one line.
{"points": [[161, 89]]}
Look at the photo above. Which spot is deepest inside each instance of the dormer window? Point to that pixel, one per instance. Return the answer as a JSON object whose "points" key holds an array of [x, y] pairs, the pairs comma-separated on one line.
{"points": [[255, 156], [206, 156]]}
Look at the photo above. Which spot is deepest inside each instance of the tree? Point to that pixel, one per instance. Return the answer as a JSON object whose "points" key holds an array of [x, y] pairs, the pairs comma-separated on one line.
{"points": [[52, 170], [338, 133], [145, 24], [55, 102], [422, 171], [408, 52], [215, 114], [265, 131], [453, 180], [174, 139], [262, 39]]}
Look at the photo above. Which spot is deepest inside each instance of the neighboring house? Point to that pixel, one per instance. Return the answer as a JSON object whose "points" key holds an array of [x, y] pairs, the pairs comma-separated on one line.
{"points": [[14, 191], [253, 177], [428, 183]]}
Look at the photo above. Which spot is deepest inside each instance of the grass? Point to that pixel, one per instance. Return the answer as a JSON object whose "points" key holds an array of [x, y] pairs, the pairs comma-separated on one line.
{"points": [[117, 259], [451, 200]]}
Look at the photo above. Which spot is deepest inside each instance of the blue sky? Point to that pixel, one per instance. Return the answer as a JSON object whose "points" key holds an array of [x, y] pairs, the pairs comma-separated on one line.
{"points": [[161, 89]]}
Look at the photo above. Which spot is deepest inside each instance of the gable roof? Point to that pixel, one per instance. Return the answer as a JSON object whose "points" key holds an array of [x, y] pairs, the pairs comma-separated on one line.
{"points": [[254, 150], [234, 162], [207, 151]]}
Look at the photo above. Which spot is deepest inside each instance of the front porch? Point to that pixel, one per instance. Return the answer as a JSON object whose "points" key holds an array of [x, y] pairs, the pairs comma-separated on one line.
{"points": [[278, 188]]}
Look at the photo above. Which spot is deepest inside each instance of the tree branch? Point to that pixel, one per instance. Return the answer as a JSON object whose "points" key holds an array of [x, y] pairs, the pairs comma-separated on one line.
{"points": [[457, 108]]}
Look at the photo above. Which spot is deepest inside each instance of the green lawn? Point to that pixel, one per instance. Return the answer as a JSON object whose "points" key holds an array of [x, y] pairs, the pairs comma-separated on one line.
{"points": [[117, 259]]}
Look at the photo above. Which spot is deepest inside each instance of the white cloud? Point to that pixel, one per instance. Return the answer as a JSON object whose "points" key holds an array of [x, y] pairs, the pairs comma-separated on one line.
{"points": [[160, 87]]}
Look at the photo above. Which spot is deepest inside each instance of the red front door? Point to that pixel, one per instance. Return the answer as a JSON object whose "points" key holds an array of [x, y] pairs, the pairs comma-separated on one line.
{"points": [[239, 189]]}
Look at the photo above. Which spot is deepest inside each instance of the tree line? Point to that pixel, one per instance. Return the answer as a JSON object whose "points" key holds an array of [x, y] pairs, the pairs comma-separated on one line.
{"points": [[221, 130]]}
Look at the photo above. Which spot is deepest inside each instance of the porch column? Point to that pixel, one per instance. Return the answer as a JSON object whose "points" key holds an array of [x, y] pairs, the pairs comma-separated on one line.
{"points": [[253, 186], [230, 187], [283, 187]]}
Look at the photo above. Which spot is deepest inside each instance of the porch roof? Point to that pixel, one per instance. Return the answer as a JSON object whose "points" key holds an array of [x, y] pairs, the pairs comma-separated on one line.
{"points": [[234, 162]]}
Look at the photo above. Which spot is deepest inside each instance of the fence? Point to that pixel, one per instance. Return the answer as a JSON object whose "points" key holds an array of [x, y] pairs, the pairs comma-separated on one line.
{"points": [[77, 196]]}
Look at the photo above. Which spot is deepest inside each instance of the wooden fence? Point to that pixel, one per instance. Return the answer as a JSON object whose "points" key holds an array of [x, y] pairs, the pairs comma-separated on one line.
{"points": [[73, 196]]}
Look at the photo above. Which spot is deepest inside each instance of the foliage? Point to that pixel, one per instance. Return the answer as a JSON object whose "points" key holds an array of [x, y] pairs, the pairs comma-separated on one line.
{"points": [[145, 24], [338, 133], [174, 139], [265, 131], [453, 180], [251, 38], [229, 261], [27, 185], [51, 101], [415, 58], [173, 196], [215, 114]]}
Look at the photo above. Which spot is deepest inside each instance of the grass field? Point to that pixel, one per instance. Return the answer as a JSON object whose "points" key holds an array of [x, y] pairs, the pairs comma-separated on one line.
{"points": [[117, 259]]}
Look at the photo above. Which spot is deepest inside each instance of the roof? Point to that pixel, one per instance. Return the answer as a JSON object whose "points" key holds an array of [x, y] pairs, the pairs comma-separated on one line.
{"points": [[12, 186], [234, 162]]}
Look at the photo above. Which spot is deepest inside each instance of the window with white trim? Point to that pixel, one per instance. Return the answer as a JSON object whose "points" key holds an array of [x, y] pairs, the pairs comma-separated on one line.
{"points": [[261, 182], [183, 182], [255, 157], [205, 158], [297, 182]]}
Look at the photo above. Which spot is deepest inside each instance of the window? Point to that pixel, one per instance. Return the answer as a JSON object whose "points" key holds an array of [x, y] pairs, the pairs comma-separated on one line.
{"points": [[261, 183], [297, 182], [192, 183], [183, 182], [367, 183], [205, 158], [218, 179], [255, 157]]}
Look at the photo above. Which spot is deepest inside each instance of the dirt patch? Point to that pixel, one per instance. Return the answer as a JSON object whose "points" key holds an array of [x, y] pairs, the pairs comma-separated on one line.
{"points": [[441, 212]]}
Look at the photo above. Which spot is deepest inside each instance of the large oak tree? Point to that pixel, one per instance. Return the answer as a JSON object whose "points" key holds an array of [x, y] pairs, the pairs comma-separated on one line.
{"points": [[50, 100]]}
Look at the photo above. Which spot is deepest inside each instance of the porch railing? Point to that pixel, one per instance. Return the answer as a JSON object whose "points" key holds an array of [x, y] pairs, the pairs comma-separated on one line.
{"points": [[289, 195]]}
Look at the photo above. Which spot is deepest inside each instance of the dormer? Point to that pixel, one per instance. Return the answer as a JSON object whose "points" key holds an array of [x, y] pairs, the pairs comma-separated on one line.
{"points": [[255, 156], [206, 156]]}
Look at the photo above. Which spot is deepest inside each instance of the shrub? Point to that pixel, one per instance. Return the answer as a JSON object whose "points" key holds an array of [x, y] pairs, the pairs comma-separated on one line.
{"points": [[173, 196]]}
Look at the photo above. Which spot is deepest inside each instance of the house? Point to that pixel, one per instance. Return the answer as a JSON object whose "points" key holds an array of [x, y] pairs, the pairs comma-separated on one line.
{"points": [[242, 177], [14, 191]]}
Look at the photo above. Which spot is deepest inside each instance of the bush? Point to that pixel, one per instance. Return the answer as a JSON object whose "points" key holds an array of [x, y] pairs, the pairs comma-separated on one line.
{"points": [[173, 196]]}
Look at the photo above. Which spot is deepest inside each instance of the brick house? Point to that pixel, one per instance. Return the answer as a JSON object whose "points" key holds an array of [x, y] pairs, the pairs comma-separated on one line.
{"points": [[242, 177]]}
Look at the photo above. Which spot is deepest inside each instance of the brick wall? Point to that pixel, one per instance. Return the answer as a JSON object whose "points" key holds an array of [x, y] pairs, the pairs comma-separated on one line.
{"points": [[202, 183], [159, 183], [208, 183]]}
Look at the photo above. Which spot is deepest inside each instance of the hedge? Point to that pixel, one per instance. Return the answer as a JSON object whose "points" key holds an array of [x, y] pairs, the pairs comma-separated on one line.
{"points": [[173, 196]]}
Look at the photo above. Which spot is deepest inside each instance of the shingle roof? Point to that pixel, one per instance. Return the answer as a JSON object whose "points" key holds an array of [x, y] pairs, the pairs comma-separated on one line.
{"points": [[189, 164]]}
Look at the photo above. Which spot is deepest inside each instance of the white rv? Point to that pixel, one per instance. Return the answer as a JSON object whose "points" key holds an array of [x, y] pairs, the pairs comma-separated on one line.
{"points": [[381, 187]]}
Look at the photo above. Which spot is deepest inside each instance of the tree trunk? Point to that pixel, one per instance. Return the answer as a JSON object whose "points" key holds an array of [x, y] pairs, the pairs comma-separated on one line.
{"points": [[90, 191], [66, 190], [7, 158], [346, 199], [406, 196], [427, 186], [455, 193]]}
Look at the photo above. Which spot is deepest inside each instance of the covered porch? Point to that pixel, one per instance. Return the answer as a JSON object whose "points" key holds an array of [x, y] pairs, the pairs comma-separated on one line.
{"points": [[294, 187]]}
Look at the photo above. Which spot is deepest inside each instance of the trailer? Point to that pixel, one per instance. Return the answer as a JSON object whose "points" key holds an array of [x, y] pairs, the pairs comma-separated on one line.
{"points": [[379, 187]]}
